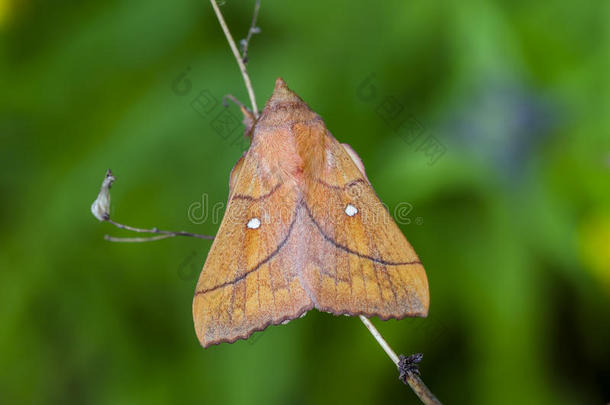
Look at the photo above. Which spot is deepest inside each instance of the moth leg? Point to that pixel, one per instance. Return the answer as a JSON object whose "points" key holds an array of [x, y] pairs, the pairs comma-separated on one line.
{"points": [[249, 117]]}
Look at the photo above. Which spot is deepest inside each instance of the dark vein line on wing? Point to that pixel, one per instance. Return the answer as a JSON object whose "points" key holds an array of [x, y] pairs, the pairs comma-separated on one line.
{"points": [[259, 264], [351, 183], [259, 198], [348, 250]]}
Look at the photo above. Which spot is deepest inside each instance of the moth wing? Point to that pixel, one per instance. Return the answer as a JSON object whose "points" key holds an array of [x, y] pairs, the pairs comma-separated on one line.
{"points": [[249, 279], [359, 260], [235, 174]]}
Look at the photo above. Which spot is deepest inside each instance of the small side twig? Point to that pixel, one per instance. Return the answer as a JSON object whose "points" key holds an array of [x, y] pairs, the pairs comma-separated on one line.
{"points": [[238, 57], [407, 366], [101, 210], [162, 234], [253, 30], [135, 240]]}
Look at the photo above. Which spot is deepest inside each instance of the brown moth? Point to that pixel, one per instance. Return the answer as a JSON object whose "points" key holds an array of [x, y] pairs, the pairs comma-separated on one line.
{"points": [[303, 229]]}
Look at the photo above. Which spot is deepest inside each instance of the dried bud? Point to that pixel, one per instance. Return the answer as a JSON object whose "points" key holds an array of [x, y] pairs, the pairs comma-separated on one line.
{"points": [[101, 206]]}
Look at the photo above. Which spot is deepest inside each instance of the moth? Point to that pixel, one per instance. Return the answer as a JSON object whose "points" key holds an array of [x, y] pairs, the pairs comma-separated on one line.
{"points": [[303, 229]]}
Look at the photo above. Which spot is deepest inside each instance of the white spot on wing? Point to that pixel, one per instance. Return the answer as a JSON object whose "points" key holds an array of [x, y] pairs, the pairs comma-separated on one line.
{"points": [[254, 223], [350, 210]]}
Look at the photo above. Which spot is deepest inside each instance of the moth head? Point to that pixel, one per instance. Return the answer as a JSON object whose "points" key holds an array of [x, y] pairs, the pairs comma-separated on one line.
{"points": [[282, 94], [285, 107]]}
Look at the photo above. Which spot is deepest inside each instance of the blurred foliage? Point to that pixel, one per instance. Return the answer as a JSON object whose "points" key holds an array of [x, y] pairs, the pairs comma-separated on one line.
{"points": [[512, 222]]}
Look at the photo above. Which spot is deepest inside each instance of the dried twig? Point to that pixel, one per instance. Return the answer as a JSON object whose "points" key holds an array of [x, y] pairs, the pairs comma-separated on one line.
{"points": [[253, 30], [238, 57], [407, 366], [135, 240], [409, 374], [162, 234], [101, 210]]}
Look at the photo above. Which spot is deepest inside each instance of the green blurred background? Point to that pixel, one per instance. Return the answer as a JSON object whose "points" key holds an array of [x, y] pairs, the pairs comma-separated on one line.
{"points": [[512, 222]]}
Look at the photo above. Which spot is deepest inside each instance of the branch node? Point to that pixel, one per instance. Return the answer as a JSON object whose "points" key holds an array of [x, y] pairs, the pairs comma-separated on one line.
{"points": [[244, 43], [409, 375], [408, 364]]}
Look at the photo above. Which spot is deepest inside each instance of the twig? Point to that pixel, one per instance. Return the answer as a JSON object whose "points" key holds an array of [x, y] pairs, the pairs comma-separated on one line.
{"points": [[384, 345], [101, 210], [135, 240], [253, 30], [238, 58], [162, 234], [409, 373]]}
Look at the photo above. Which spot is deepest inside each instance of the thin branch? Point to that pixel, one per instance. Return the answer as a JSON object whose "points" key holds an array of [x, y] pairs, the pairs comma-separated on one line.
{"points": [[253, 30], [384, 345], [163, 234], [135, 240], [238, 58], [409, 373], [101, 210]]}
